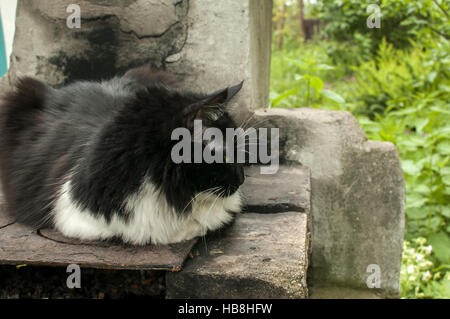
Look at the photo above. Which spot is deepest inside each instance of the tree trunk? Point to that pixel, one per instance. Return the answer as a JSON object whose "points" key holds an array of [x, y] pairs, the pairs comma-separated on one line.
{"points": [[280, 26], [302, 17]]}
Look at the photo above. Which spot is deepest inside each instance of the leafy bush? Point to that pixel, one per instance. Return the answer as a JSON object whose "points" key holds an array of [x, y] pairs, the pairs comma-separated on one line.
{"points": [[395, 79], [401, 96], [419, 278], [301, 77], [401, 21]]}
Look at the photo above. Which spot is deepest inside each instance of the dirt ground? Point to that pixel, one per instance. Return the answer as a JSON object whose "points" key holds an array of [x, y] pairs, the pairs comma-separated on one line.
{"points": [[50, 282]]}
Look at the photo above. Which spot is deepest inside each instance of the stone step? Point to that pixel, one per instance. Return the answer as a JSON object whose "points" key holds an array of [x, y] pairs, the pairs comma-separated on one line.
{"points": [[264, 253], [259, 256]]}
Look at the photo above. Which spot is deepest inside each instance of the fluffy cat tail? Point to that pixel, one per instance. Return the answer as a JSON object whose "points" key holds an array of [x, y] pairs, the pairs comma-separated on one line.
{"points": [[20, 108], [20, 111]]}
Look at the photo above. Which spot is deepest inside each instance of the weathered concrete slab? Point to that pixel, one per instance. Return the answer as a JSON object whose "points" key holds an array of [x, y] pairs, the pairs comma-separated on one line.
{"points": [[358, 197], [208, 44], [5, 220], [259, 256], [287, 190], [21, 245], [227, 42]]}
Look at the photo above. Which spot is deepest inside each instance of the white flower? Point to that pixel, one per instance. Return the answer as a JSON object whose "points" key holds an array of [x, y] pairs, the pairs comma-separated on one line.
{"points": [[426, 276], [410, 269], [419, 257], [429, 249]]}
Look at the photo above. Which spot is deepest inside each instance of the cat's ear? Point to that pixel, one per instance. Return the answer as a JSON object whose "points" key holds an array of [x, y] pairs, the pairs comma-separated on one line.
{"points": [[214, 105], [223, 96]]}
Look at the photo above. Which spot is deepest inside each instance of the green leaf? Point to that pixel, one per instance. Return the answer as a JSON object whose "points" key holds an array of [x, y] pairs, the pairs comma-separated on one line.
{"points": [[446, 212], [416, 213], [446, 180], [316, 83], [415, 201], [440, 110], [410, 167], [421, 123], [320, 67], [332, 96], [431, 76], [444, 147], [441, 246], [284, 95]]}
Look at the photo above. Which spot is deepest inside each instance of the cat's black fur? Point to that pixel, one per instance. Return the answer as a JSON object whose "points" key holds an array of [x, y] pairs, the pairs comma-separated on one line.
{"points": [[109, 136]]}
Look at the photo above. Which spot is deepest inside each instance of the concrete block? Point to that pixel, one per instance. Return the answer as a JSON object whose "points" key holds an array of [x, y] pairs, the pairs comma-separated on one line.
{"points": [[207, 44], [287, 190], [259, 256], [358, 197]]}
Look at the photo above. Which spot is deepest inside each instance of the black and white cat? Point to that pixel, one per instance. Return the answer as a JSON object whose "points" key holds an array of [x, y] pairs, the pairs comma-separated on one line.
{"points": [[93, 159]]}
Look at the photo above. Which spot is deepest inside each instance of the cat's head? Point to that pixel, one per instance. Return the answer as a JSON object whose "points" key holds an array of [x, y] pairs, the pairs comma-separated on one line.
{"points": [[212, 166]]}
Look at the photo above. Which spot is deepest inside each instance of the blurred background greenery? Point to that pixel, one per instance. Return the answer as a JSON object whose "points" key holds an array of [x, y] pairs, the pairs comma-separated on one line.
{"points": [[395, 81]]}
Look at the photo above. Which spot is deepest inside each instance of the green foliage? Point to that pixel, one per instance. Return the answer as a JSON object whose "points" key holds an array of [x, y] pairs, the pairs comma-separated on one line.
{"points": [[287, 13], [396, 81], [401, 21], [348, 55], [419, 278], [299, 78]]}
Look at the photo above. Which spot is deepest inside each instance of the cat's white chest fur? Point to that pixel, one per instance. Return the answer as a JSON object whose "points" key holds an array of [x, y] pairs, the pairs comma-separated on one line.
{"points": [[152, 219]]}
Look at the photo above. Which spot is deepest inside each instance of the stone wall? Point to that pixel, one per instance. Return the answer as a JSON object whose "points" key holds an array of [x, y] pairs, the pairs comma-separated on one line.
{"points": [[208, 44]]}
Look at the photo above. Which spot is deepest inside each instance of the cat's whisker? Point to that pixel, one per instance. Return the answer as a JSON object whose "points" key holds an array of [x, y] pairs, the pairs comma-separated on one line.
{"points": [[247, 144], [246, 121], [209, 192], [257, 124], [204, 241]]}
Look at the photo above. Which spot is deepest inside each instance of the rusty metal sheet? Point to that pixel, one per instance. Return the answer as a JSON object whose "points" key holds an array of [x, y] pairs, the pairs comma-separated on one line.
{"points": [[21, 245]]}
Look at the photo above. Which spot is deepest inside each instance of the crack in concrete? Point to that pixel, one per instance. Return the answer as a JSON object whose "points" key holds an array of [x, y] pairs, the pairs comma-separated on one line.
{"points": [[4, 226], [146, 36]]}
